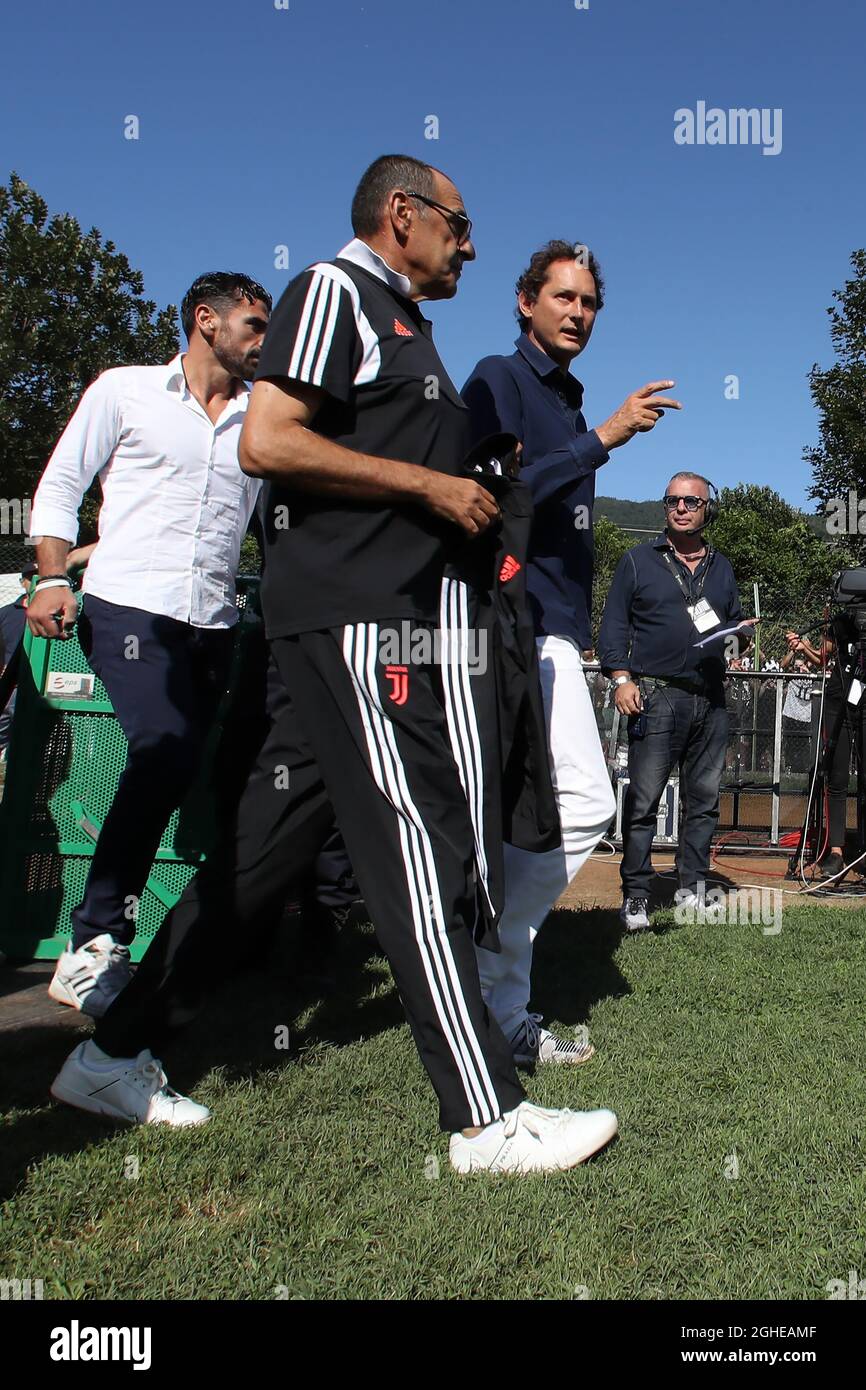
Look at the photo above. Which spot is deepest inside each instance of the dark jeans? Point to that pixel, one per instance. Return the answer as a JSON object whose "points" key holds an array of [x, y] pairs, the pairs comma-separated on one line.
{"points": [[165, 686], [686, 730]]}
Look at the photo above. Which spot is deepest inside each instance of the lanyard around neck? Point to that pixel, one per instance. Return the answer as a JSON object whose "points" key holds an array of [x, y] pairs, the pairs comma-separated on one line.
{"points": [[688, 594]]}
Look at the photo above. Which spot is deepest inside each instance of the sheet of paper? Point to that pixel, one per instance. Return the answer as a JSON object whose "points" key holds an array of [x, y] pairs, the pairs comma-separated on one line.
{"points": [[722, 632]]}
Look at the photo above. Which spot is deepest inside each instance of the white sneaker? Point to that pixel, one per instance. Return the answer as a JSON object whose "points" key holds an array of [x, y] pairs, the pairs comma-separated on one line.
{"points": [[91, 978], [633, 914], [532, 1140], [536, 1044], [126, 1088]]}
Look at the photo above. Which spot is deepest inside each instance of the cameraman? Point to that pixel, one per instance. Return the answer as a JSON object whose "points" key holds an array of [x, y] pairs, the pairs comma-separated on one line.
{"points": [[666, 595], [839, 714]]}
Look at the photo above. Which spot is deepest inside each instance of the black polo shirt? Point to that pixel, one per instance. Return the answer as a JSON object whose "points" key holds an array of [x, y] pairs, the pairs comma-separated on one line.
{"points": [[347, 326], [528, 395], [646, 628]]}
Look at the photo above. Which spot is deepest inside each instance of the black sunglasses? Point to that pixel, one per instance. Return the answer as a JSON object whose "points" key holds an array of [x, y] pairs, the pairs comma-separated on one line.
{"points": [[692, 503], [460, 224]]}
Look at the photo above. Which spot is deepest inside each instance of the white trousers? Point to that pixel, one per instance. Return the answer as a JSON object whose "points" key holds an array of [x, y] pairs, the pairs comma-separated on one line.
{"points": [[534, 882]]}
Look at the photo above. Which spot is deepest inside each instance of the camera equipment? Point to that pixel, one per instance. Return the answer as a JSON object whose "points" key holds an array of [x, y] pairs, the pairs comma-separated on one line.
{"points": [[849, 593], [847, 626]]}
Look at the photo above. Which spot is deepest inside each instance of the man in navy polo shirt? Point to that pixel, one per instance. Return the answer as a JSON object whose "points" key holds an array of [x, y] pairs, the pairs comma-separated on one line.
{"points": [[532, 394], [667, 598]]}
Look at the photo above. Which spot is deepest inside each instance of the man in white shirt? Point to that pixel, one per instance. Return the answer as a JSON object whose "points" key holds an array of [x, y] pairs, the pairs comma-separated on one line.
{"points": [[159, 601]]}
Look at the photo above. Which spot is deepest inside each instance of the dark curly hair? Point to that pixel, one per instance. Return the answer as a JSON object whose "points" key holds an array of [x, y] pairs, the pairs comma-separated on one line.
{"points": [[220, 289], [535, 275]]}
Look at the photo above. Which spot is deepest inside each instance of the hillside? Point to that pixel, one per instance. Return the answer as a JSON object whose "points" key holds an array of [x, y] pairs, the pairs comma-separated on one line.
{"points": [[647, 516]]}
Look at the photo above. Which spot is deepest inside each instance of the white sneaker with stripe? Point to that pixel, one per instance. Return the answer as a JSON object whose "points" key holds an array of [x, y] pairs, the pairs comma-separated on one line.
{"points": [[125, 1088], [532, 1140], [91, 978], [533, 1044]]}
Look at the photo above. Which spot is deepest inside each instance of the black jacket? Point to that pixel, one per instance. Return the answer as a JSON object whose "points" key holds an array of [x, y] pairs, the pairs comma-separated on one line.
{"points": [[518, 804]]}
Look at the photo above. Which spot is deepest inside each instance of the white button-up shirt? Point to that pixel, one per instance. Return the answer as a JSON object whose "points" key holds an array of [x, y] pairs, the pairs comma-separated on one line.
{"points": [[175, 503]]}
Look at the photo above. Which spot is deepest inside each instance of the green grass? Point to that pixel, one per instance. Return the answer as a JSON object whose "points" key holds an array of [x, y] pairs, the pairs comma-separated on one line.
{"points": [[318, 1172]]}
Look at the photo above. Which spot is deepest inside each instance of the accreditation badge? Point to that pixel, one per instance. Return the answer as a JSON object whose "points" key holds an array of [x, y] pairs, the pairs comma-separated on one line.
{"points": [[703, 615]]}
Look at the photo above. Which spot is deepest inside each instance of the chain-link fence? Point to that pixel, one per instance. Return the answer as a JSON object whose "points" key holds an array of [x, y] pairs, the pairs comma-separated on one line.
{"points": [[774, 722]]}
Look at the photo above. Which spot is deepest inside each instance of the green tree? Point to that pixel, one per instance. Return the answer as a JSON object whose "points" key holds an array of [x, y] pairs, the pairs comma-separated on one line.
{"points": [[769, 542], [839, 460], [610, 545], [70, 306]]}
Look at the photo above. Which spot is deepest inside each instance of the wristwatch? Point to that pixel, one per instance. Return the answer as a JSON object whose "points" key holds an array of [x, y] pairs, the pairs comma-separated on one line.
{"points": [[622, 680]]}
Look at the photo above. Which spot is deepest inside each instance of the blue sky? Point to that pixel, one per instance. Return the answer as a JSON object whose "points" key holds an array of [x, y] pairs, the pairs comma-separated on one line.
{"points": [[255, 124]]}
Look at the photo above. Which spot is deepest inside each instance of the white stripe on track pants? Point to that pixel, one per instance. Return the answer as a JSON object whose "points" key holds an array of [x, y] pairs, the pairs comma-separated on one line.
{"points": [[346, 738]]}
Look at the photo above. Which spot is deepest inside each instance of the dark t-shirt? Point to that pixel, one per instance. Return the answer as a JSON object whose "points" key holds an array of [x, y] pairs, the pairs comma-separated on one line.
{"points": [[330, 561]]}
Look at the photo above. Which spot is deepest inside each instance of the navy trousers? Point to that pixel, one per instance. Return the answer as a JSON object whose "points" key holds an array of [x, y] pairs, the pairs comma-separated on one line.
{"points": [[685, 730], [165, 679]]}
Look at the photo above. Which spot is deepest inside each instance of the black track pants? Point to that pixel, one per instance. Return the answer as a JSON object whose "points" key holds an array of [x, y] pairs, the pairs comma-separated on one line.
{"points": [[370, 742]]}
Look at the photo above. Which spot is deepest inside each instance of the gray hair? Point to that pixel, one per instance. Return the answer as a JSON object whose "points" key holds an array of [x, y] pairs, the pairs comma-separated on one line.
{"points": [[695, 477]]}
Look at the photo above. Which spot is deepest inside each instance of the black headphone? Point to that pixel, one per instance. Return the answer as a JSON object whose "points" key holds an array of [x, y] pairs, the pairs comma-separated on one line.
{"points": [[711, 510]]}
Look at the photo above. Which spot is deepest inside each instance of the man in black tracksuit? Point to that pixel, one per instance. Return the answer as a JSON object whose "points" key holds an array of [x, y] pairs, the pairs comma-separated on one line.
{"points": [[362, 434]]}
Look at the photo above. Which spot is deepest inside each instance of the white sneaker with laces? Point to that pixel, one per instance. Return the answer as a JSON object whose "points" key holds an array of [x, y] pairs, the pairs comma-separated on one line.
{"points": [[126, 1088], [91, 978], [532, 1140], [532, 1044], [633, 914]]}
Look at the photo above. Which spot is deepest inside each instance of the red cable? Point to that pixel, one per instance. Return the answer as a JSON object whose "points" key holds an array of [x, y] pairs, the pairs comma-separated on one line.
{"points": [[760, 873]]}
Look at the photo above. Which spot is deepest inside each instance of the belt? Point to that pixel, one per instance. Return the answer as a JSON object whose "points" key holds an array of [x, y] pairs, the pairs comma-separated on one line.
{"points": [[679, 683]]}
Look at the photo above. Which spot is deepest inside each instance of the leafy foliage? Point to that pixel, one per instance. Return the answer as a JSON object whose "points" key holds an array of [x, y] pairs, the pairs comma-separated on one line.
{"points": [[769, 542], [70, 307], [839, 459], [610, 545]]}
